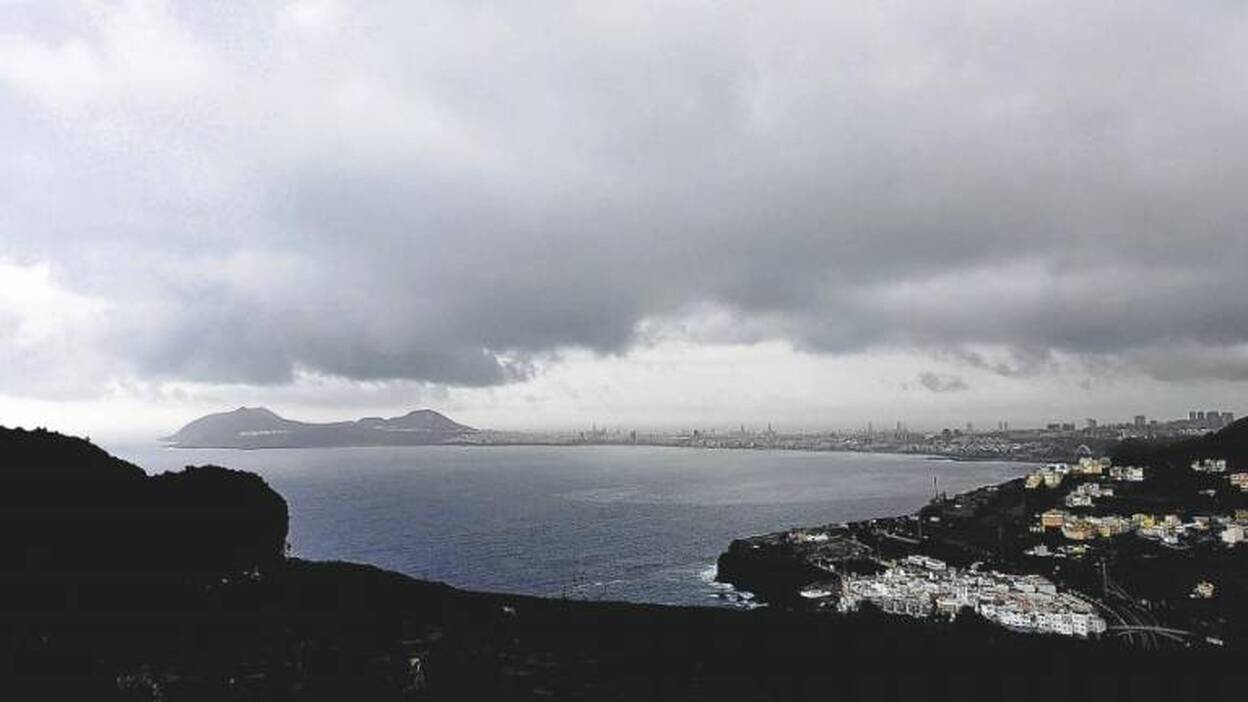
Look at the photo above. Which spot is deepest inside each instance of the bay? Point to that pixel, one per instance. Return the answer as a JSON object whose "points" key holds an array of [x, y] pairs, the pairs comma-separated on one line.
{"points": [[632, 523]]}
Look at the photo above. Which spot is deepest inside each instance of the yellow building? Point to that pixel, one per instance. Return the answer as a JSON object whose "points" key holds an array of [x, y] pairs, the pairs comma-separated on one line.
{"points": [[1052, 519], [1079, 530], [1112, 526], [1093, 466]]}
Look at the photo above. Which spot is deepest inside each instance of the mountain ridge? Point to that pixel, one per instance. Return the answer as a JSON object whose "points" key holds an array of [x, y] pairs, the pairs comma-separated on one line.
{"points": [[260, 427]]}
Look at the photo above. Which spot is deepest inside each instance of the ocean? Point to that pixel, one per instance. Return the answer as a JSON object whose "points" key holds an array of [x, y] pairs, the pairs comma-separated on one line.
{"points": [[632, 523]]}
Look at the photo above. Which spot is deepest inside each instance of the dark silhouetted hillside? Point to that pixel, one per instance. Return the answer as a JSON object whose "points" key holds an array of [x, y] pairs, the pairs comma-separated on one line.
{"points": [[66, 504], [1230, 443]]}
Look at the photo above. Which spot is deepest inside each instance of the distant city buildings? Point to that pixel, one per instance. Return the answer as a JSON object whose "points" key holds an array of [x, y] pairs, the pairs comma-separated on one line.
{"points": [[1197, 422], [1209, 419], [1057, 441]]}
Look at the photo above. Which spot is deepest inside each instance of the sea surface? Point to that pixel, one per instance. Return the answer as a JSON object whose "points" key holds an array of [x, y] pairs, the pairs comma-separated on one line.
{"points": [[635, 523]]}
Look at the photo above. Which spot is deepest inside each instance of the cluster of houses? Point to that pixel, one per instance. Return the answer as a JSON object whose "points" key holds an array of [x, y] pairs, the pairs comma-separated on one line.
{"points": [[1169, 529], [1074, 550], [1077, 527], [1051, 475], [922, 587], [1209, 465], [1086, 494], [1218, 465]]}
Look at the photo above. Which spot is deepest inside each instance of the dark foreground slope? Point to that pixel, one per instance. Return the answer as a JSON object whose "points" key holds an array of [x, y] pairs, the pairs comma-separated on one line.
{"points": [[114, 585]]}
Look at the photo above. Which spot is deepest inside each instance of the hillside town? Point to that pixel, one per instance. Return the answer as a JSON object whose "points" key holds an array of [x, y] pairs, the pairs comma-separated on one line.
{"points": [[920, 586], [1098, 475], [1084, 548]]}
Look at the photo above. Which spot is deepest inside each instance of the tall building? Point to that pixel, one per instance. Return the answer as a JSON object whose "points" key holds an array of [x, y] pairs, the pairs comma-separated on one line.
{"points": [[1091, 423], [1140, 421], [1191, 416]]}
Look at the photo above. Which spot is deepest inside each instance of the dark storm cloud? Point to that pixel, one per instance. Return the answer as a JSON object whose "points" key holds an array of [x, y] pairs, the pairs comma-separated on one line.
{"points": [[457, 191]]}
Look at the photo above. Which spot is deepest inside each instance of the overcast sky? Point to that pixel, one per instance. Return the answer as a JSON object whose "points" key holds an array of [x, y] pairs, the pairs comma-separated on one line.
{"points": [[546, 214]]}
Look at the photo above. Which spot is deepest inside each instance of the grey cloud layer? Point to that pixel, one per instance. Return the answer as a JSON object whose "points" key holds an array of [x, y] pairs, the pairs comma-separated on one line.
{"points": [[938, 383], [453, 192]]}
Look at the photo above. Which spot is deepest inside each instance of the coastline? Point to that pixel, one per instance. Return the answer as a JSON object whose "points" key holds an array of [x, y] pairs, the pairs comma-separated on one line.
{"points": [[1006, 532], [559, 444]]}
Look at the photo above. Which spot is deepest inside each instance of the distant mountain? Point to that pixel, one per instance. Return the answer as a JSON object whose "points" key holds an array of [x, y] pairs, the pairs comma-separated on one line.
{"points": [[258, 427]]}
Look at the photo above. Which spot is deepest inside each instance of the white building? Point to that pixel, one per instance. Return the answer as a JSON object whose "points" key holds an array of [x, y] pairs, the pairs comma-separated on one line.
{"points": [[1233, 534], [1026, 603], [1209, 465]]}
